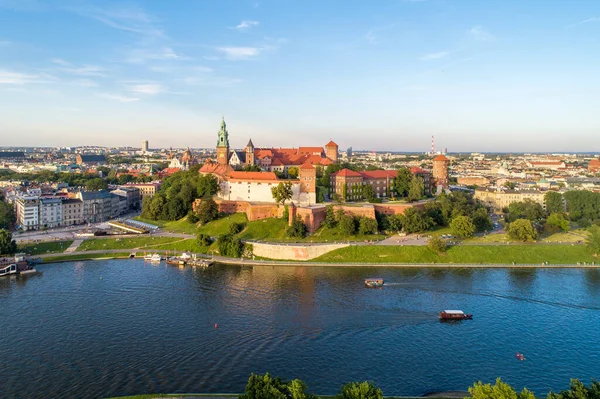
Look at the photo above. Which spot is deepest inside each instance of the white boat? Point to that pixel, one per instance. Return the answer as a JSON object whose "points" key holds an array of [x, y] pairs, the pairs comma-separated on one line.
{"points": [[29, 271], [147, 257], [155, 258], [9, 269]]}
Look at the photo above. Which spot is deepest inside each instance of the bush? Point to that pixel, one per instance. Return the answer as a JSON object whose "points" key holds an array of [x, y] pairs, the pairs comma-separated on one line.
{"points": [[203, 240], [347, 225], [522, 229], [360, 390], [235, 228], [266, 387], [437, 244], [191, 217], [207, 211], [297, 229]]}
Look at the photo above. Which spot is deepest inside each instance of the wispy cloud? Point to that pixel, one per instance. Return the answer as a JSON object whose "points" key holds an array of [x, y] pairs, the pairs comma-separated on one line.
{"points": [[585, 21], [60, 61], [212, 81], [478, 33], [117, 97], [434, 56], [127, 18], [239, 53], [372, 35], [5, 43], [246, 24], [146, 88], [16, 78], [139, 56], [86, 70]]}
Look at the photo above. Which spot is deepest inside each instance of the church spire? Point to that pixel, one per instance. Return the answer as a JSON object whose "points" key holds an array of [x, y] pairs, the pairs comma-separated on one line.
{"points": [[223, 135]]}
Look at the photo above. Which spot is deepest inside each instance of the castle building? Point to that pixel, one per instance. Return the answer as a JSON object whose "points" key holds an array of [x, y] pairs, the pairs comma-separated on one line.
{"points": [[223, 144]]}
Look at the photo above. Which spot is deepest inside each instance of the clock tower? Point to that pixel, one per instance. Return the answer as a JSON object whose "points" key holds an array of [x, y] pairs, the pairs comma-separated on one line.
{"points": [[223, 144]]}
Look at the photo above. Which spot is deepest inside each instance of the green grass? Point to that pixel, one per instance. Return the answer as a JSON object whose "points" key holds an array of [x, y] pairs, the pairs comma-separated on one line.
{"points": [[45, 247], [144, 242], [483, 254], [221, 226], [188, 245], [175, 226], [65, 258]]}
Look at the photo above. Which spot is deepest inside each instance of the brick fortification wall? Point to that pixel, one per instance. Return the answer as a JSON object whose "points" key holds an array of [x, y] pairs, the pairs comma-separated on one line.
{"points": [[311, 216]]}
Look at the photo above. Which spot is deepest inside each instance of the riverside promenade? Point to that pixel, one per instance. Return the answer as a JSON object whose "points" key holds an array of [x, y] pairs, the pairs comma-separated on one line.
{"points": [[123, 253]]}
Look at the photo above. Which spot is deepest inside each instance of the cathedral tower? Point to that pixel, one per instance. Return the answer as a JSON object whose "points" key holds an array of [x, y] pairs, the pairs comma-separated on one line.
{"points": [[223, 144]]}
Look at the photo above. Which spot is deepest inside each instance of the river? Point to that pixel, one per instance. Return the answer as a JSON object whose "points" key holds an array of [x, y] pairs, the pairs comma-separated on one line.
{"points": [[116, 327]]}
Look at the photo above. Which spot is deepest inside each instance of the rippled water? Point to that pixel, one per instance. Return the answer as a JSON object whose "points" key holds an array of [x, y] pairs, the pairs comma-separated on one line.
{"points": [[107, 328]]}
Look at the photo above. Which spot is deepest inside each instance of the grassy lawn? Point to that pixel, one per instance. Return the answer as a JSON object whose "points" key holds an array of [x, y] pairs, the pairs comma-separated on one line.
{"points": [[520, 254], [187, 245], [60, 258], [126, 243], [45, 247], [176, 226], [569, 236], [221, 226]]}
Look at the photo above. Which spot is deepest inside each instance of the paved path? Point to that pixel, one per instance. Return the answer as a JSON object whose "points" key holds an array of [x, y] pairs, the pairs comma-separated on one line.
{"points": [[73, 247]]}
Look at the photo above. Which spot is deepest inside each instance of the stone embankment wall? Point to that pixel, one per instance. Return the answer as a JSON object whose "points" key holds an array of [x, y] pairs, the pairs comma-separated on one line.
{"points": [[293, 252]]}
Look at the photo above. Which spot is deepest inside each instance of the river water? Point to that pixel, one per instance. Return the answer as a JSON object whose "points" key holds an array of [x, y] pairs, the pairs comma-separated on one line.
{"points": [[107, 328]]}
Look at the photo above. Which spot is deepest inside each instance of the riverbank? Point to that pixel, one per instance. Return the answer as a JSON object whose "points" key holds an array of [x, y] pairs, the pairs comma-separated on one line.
{"points": [[436, 395], [406, 257]]}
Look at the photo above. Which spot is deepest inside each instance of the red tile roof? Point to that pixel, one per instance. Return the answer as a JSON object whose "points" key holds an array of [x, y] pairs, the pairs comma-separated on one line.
{"points": [[331, 144], [440, 158], [379, 174], [415, 170], [346, 173], [252, 175], [306, 166]]}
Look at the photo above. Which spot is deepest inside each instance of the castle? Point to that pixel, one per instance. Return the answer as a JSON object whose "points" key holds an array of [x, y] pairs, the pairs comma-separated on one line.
{"points": [[253, 186]]}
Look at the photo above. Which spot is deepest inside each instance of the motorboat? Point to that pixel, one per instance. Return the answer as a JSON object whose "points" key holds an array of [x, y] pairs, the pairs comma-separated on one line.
{"points": [[454, 315], [374, 282]]}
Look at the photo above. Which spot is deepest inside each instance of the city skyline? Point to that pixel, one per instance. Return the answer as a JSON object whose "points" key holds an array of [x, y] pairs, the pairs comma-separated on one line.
{"points": [[480, 76]]}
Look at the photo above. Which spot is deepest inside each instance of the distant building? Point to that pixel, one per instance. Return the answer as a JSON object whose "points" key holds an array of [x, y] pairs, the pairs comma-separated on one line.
{"points": [[349, 152], [12, 156], [28, 212], [91, 160], [132, 195], [473, 181], [146, 189], [440, 170], [499, 199], [594, 165], [98, 206], [51, 213], [550, 165], [145, 146], [72, 211]]}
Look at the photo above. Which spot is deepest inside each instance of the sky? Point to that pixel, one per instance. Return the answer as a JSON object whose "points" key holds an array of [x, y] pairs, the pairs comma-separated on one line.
{"points": [[511, 75]]}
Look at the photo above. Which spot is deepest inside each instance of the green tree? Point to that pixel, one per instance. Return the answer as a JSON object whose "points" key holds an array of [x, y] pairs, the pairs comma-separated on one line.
{"points": [[437, 244], [235, 228], [267, 387], [292, 172], [577, 390], [554, 202], [416, 191], [500, 390], [297, 229], [176, 209], [96, 184], [347, 225], [8, 246], [526, 209], [402, 182], [330, 220], [462, 226], [360, 390], [207, 210], [367, 226], [7, 215], [230, 245], [207, 186], [416, 221], [522, 230], [482, 220], [593, 239], [251, 168], [368, 193], [556, 222], [395, 222], [282, 192], [203, 240]]}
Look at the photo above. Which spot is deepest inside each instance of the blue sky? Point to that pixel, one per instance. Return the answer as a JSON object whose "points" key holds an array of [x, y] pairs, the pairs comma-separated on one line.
{"points": [[384, 75]]}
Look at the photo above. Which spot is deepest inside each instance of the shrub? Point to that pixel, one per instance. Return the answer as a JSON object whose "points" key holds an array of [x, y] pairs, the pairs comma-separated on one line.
{"points": [[235, 228], [360, 390], [367, 226], [230, 245], [297, 229], [203, 240], [437, 244]]}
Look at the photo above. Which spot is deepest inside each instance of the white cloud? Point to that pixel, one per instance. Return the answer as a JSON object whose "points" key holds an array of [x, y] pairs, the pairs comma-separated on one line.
{"points": [[84, 83], [146, 88], [60, 61], [166, 53], [212, 81], [481, 34], [16, 78], [246, 25], [434, 56], [127, 18], [117, 97], [5, 43], [585, 21], [86, 70], [239, 53], [371, 38]]}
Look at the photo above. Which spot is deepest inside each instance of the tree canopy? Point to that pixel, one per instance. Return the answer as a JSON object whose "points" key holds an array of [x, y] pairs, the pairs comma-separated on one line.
{"points": [[282, 192], [554, 202], [462, 226], [8, 246], [402, 182], [522, 230]]}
